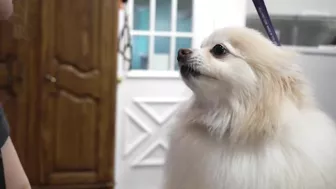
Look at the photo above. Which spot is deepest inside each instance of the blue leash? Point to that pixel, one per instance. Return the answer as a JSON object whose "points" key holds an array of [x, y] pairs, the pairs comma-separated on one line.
{"points": [[266, 21]]}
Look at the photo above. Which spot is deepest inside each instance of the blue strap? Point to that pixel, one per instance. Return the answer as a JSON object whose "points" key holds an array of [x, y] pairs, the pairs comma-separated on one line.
{"points": [[266, 21]]}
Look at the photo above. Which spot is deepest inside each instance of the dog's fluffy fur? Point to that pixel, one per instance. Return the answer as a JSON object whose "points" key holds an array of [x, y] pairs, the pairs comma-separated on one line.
{"points": [[251, 123]]}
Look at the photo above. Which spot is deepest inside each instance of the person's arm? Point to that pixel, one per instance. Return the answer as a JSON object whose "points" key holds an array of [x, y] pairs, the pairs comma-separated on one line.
{"points": [[15, 177], [6, 9]]}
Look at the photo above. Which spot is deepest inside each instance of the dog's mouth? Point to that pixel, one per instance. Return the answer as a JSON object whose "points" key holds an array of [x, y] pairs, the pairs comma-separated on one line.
{"points": [[193, 71], [189, 70]]}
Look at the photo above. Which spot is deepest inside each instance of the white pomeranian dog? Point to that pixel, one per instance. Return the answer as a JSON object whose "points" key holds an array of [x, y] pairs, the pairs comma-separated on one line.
{"points": [[251, 123]]}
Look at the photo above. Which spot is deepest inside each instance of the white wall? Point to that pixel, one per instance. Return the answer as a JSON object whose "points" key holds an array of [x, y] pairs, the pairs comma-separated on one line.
{"points": [[319, 66], [295, 7], [214, 14]]}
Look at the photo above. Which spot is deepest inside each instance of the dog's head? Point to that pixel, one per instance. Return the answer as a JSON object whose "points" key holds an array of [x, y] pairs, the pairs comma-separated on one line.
{"points": [[236, 62], [247, 73]]}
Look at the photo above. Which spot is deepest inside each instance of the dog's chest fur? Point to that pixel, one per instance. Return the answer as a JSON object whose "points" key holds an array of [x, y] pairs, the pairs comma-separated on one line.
{"points": [[302, 156]]}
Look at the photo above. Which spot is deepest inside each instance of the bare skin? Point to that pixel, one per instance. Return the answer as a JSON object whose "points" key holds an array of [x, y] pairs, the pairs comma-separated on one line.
{"points": [[6, 9], [15, 176]]}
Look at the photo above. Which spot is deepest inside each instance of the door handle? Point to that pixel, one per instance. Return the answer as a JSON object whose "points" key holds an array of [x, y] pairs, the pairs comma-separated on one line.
{"points": [[50, 78]]}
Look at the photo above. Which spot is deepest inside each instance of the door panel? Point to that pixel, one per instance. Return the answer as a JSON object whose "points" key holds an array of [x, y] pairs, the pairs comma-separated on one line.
{"points": [[12, 92], [19, 50], [78, 69]]}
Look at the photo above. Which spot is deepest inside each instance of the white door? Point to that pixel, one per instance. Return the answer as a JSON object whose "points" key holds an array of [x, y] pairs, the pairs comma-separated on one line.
{"points": [[151, 91]]}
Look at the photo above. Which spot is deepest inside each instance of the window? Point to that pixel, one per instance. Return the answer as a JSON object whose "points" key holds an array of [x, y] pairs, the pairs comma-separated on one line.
{"points": [[159, 28], [299, 23]]}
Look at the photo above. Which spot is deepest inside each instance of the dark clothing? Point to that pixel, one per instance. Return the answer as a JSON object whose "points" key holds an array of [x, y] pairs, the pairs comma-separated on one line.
{"points": [[2, 175], [4, 133], [4, 128]]}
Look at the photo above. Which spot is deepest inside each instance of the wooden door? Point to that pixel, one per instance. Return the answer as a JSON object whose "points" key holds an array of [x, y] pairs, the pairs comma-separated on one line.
{"points": [[19, 57], [12, 81], [78, 71]]}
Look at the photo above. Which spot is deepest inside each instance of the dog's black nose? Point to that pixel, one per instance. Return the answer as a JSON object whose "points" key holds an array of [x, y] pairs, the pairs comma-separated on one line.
{"points": [[183, 54]]}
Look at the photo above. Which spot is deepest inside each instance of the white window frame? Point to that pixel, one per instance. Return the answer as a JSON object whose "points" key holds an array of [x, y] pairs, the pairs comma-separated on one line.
{"points": [[173, 34], [207, 16]]}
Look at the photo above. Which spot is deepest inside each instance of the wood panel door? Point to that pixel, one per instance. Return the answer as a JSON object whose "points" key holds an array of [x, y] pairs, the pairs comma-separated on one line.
{"points": [[78, 71], [19, 57], [12, 93]]}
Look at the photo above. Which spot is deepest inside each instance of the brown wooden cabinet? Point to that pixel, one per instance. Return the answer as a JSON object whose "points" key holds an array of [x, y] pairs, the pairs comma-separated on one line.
{"points": [[57, 84]]}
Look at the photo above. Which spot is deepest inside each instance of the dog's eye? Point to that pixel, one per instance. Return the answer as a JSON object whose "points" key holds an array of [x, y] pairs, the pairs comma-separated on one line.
{"points": [[218, 50]]}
